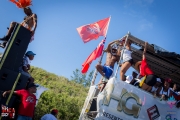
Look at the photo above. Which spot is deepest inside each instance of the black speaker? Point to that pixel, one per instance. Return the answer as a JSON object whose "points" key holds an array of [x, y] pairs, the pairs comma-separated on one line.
{"points": [[22, 82], [16, 48], [7, 79], [13, 103]]}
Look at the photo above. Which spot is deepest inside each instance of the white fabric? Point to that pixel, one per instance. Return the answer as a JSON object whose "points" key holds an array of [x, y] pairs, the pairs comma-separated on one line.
{"points": [[154, 89], [126, 55], [158, 80], [48, 117], [110, 68], [129, 78], [26, 61], [165, 93]]}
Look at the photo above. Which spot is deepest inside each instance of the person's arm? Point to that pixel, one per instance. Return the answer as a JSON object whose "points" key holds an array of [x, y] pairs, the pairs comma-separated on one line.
{"points": [[28, 67], [8, 92], [128, 45], [108, 49], [144, 52], [118, 58], [35, 23]]}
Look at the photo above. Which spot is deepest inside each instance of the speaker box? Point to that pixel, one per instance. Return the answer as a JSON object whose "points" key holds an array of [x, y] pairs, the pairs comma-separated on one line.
{"points": [[13, 103], [7, 79], [16, 48], [22, 82]]}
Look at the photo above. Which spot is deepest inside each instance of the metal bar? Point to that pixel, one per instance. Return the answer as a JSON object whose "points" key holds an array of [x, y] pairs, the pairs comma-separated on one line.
{"points": [[96, 72], [13, 88]]}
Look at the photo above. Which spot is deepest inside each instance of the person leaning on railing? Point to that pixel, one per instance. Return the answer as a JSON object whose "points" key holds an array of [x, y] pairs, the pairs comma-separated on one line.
{"points": [[165, 92]]}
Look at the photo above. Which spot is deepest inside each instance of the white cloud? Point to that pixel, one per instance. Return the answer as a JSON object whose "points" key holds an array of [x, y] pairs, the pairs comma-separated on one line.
{"points": [[139, 3], [145, 25]]}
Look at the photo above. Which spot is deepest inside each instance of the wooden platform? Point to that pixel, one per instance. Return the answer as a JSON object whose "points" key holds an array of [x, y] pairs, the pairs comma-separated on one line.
{"points": [[164, 64]]}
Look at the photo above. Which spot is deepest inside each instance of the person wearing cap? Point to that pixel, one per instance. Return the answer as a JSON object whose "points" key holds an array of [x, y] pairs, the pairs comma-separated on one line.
{"points": [[29, 56], [156, 86], [51, 116], [145, 71], [28, 101], [129, 79], [30, 21], [113, 56], [165, 92]]}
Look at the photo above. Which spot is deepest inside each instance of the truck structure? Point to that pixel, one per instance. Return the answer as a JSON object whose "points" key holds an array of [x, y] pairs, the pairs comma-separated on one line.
{"points": [[122, 101]]}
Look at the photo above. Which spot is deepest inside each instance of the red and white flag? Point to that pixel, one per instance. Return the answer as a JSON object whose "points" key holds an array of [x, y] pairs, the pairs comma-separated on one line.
{"points": [[93, 56], [94, 30]]}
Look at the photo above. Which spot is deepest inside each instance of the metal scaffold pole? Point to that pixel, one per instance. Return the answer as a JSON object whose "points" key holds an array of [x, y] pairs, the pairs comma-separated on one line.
{"points": [[96, 72]]}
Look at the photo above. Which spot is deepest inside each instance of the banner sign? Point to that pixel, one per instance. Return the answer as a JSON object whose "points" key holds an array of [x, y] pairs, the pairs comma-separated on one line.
{"points": [[122, 101]]}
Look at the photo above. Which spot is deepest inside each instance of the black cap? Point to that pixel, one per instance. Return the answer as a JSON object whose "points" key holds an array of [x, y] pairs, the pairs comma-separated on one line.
{"points": [[32, 85]]}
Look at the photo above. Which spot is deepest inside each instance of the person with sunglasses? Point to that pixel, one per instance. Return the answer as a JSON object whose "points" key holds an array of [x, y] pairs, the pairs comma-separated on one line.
{"points": [[106, 70]]}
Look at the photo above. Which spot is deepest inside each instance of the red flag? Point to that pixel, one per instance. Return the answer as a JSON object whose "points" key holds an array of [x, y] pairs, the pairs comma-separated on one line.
{"points": [[93, 56], [94, 30]]}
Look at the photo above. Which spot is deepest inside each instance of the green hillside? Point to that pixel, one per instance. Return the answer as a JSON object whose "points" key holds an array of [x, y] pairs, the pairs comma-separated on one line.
{"points": [[67, 96]]}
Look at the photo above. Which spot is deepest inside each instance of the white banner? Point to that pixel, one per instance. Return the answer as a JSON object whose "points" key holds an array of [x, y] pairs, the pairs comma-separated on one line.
{"points": [[122, 101], [40, 90]]}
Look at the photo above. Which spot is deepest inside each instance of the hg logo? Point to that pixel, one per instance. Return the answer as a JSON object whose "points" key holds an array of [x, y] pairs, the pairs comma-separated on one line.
{"points": [[122, 99]]}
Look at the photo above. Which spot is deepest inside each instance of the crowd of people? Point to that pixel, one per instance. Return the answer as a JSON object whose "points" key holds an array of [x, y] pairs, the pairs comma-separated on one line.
{"points": [[144, 78]]}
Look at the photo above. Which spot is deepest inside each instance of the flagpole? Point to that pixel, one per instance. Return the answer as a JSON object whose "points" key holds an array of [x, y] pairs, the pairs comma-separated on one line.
{"points": [[96, 72]]}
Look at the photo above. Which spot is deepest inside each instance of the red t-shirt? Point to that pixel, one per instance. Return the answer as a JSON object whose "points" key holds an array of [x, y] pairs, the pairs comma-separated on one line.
{"points": [[144, 68], [28, 102]]}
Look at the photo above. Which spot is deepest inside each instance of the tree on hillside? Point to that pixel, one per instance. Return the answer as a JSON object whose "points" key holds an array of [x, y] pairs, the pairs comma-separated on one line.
{"points": [[80, 78], [66, 96]]}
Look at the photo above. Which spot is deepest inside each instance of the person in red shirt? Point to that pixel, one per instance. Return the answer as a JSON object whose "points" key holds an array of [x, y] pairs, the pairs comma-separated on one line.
{"points": [[144, 70], [28, 102]]}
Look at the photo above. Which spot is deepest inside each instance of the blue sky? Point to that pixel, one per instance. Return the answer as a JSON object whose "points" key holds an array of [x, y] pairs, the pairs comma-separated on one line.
{"points": [[59, 47]]}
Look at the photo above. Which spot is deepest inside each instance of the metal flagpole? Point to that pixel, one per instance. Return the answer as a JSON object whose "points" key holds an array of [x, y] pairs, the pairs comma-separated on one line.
{"points": [[122, 54], [96, 72]]}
